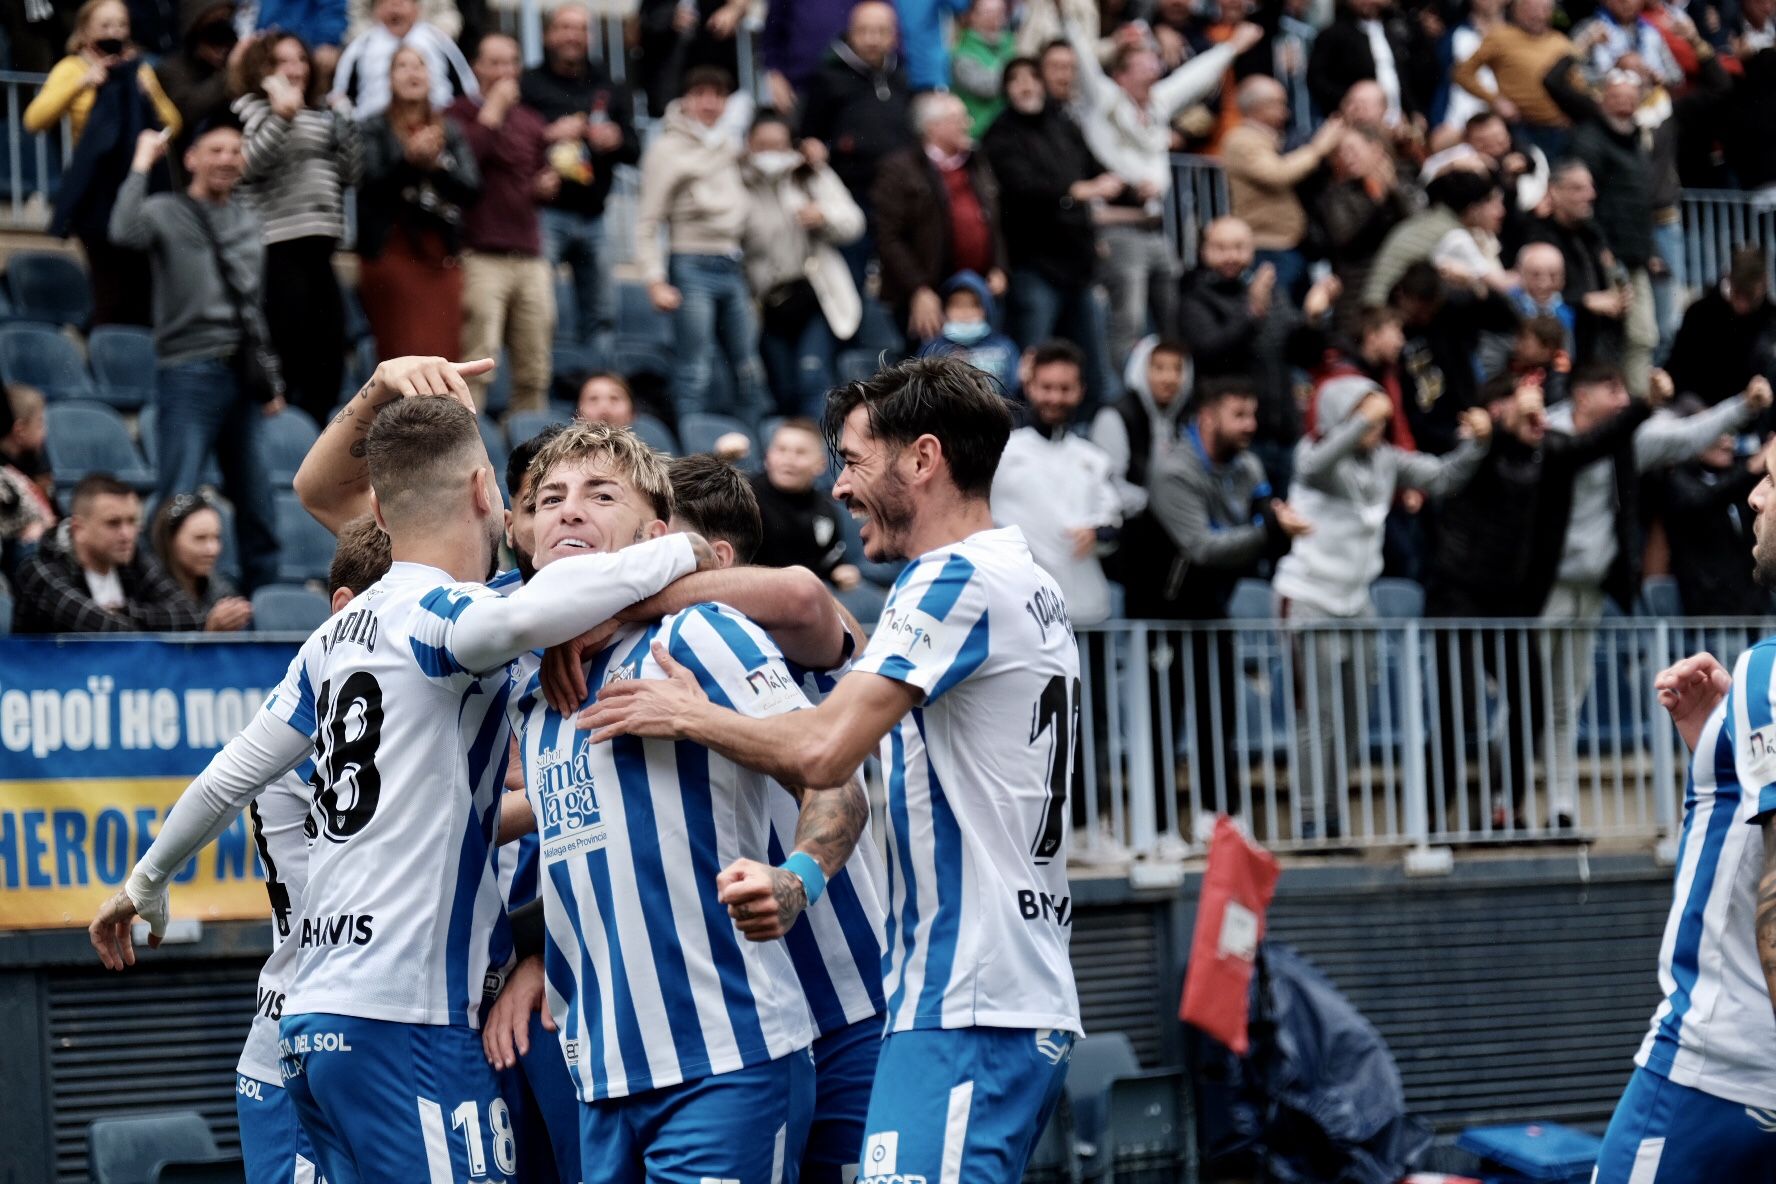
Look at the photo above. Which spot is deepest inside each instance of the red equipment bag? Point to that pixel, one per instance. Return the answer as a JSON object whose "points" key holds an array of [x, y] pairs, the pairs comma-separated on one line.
{"points": [[1236, 891]]}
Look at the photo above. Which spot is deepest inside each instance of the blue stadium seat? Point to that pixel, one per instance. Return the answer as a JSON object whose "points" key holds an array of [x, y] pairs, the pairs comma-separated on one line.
{"points": [[768, 427], [288, 608], [305, 549], [1659, 597], [656, 434], [50, 287], [39, 356], [698, 433], [5, 613], [85, 438], [567, 320], [287, 437], [633, 355], [855, 365], [126, 1150], [637, 316], [571, 363], [229, 1170], [1397, 600], [1146, 1131], [123, 363], [495, 439], [1097, 1061], [522, 425]]}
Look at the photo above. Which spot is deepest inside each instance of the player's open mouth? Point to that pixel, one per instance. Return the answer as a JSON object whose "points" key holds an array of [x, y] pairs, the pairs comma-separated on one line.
{"points": [[571, 544]]}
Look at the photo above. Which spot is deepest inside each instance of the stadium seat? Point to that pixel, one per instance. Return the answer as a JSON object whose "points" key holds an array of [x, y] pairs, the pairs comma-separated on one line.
{"points": [[218, 1171], [633, 355], [49, 287], [855, 365], [123, 363], [878, 334], [305, 549], [287, 437], [1097, 1061], [1397, 600], [39, 356], [1145, 1136], [637, 317], [85, 438], [656, 434], [5, 613], [522, 425], [698, 433], [768, 428], [1659, 597], [286, 608], [127, 1150], [567, 320]]}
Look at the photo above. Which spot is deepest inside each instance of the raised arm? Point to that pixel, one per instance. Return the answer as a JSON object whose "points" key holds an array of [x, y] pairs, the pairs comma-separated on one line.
{"points": [[333, 483], [266, 749], [1666, 440]]}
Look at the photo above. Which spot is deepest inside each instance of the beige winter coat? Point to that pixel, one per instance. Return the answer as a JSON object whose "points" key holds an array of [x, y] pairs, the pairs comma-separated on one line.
{"points": [[690, 181], [779, 250]]}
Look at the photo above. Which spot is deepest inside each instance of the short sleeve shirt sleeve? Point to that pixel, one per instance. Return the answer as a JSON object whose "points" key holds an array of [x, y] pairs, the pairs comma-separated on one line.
{"points": [[433, 629], [734, 661], [293, 700], [933, 631]]}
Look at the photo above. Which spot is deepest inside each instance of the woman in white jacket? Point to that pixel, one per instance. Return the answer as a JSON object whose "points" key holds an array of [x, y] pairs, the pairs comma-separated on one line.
{"points": [[798, 213]]}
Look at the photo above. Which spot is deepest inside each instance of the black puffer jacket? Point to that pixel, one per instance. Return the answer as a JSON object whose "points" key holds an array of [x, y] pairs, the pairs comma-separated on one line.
{"points": [[860, 114], [1037, 160]]}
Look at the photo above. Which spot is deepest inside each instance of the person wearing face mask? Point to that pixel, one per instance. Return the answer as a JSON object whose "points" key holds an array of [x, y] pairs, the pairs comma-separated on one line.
{"points": [[102, 87], [968, 331], [798, 215]]}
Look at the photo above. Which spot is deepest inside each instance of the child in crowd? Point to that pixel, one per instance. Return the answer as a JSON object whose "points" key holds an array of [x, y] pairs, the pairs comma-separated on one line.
{"points": [[968, 331]]}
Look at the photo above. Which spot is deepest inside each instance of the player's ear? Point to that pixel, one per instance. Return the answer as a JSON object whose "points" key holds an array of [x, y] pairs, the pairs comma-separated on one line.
{"points": [[724, 552], [376, 512], [656, 528], [508, 528], [926, 455], [342, 597]]}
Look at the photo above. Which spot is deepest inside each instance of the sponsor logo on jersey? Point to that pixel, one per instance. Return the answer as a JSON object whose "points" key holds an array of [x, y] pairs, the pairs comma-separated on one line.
{"points": [[1760, 753], [1765, 1119], [571, 822], [911, 632], [246, 1087], [271, 1004], [773, 690], [1045, 906], [303, 1043], [1053, 1044], [881, 1153], [345, 929]]}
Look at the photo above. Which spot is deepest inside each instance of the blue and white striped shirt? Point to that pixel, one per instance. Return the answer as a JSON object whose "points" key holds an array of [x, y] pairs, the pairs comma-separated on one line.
{"points": [[402, 905], [979, 909], [1715, 1030], [653, 984]]}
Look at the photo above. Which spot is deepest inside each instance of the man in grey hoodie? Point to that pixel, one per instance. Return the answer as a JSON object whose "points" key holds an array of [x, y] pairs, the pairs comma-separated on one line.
{"points": [[1346, 479]]}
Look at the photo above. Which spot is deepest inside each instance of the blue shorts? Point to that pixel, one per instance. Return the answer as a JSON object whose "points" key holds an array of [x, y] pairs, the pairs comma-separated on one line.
{"points": [[409, 1102], [962, 1103], [545, 1110], [744, 1127], [1665, 1133], [844, 1074], [273, 1146]]}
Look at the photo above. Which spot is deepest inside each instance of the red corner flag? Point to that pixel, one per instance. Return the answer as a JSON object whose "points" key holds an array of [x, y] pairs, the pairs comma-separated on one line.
{"points": [[1236, 891]]}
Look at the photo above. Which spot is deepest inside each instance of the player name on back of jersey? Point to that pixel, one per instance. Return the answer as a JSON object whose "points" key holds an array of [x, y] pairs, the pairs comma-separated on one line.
{"points": [[571, 823], [357, 627], [1048, 610]]}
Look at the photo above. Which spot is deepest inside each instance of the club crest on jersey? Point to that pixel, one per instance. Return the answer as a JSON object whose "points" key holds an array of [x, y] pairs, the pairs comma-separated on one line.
{"points": [[570, 822]]}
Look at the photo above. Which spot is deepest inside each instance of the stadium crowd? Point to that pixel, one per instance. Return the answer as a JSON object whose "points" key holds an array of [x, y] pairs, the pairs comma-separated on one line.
{"points": [[1444, 333]]}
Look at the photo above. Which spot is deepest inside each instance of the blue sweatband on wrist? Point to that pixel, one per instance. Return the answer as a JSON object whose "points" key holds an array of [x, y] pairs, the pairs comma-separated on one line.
{"points": [[807, 869]]}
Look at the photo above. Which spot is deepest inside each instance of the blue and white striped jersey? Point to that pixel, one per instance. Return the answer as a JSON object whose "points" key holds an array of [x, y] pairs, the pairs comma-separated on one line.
{"points": [[837, 945], [979, 909], [411, 749], [651, 982], [279, 816], [1715, 1031]]}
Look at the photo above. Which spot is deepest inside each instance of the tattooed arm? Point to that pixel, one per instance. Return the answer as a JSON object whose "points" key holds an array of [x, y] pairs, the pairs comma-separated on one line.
{"points": [[333, 483], [765, 901]]}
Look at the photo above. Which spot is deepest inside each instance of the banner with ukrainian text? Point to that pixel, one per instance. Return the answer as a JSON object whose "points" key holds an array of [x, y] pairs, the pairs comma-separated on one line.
{"points": [[98, 737]]}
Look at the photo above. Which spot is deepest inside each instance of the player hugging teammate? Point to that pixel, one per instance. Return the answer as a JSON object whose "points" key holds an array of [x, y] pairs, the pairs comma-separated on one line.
{"points": [[689, 804]]}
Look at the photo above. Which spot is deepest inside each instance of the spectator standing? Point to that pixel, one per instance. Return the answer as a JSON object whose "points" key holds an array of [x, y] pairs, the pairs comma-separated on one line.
{"points": [[187, 539], [1519, 55], [366, 68], [1057, 487], [444, 15], [1261, 177], [691, 183], [1346, 479], [1414, 240], [1618, 34], [1709, 527], [419, 175], [195, 78], [984, 48], [508, 289], [1595, 287], [859, 105], [300, 158], [795, 41], [1365, 43], [1461, 105], [922, 41], [1048, 180], [1353, 214], [1728, 335], [1211, 498], [605, 398], [1133, 432], [1470, 252], [1127, 118], [318, 24], [802, 524], [91, 578], [937, 213], [798, 215], [1060, 77], [591, 132], [103, 87], [216, 380], [1618, 153], [1540, 290], [1590, 547]]}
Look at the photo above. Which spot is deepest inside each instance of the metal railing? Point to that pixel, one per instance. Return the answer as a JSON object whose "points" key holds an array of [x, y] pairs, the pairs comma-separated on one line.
{"points": [[1380, 733], [1716, 222], [1198, 196], [33, 161]]}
